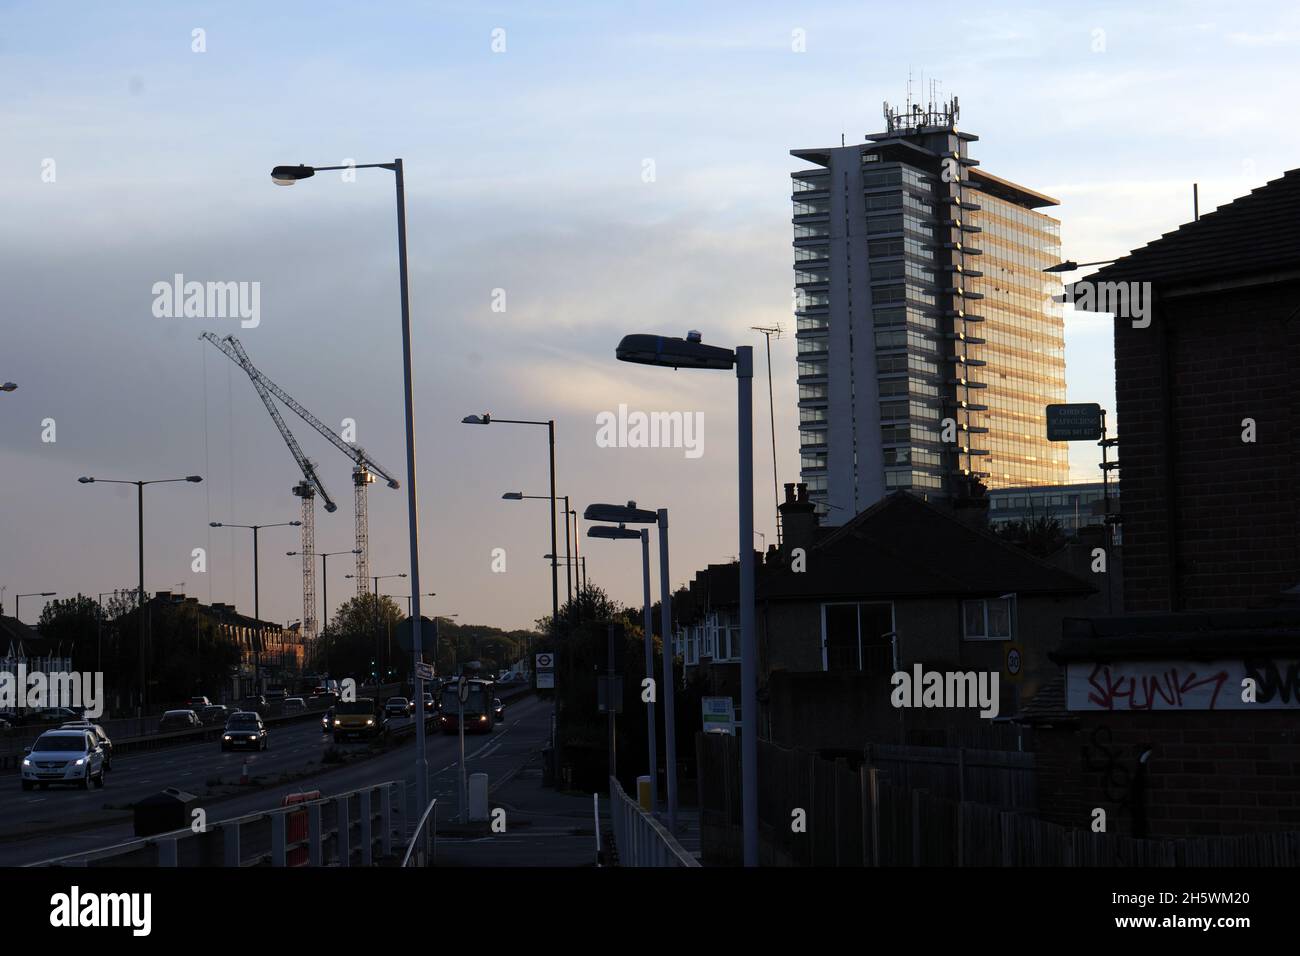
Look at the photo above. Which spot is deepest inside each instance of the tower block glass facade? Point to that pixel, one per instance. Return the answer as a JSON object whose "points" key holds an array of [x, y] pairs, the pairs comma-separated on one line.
{"points": [[928, 338]]}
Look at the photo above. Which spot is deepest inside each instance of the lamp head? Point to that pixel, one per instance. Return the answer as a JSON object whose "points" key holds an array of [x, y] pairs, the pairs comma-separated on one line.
{"points": [[513, 496], [194, 478], [484, 419], [86, 481], [689, 352], [214, 524], [288, 175]]}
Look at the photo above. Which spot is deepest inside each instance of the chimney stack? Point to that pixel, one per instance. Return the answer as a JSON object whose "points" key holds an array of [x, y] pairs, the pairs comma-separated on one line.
{"points": [[798, 517]]}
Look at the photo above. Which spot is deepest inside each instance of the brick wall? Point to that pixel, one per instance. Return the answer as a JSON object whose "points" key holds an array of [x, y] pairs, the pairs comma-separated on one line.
{"points": [[1234, 528], [1210, 772]]}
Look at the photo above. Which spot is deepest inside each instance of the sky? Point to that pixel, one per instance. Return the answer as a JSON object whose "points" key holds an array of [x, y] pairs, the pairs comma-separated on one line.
{"points": [[574, 172]]}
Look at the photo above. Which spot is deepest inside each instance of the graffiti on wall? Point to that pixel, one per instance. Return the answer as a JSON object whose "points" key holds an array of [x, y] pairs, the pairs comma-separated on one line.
{"points": [[1182, 685]]}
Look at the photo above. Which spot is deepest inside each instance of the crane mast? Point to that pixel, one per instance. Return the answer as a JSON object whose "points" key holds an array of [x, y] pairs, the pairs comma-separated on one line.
{"points": [[364, 471], [306, 489]]}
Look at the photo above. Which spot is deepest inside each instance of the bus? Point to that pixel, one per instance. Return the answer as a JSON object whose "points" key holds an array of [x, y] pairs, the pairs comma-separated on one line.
{"points": [[477, 708]]}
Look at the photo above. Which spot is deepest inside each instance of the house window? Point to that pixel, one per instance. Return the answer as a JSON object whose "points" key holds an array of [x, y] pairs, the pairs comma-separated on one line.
{"points": [[857, 637], [988, 619]]}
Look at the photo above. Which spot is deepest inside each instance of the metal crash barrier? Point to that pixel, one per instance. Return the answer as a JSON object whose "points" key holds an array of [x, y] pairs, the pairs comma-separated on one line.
{"points": [[355, 828], [640, 839]]}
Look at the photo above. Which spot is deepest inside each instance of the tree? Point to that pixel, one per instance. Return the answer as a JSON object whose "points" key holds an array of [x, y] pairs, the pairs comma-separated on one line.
{"points": [[72, 627], [360, 633], [1041, 535]]}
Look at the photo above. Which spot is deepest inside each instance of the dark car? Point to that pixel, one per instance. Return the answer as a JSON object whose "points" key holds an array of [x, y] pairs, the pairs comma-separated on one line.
{"points": [[397, 707], [197, 704], [256, 703], [214, 714], [101, 738], [50, 715], [245, 729], [178, 720]]}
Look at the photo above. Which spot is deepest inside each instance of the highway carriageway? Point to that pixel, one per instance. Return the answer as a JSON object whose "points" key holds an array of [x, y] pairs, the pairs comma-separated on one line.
{"points": [[72, 819]]}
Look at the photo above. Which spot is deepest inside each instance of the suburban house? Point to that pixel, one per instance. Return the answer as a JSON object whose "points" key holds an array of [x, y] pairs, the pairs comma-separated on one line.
{"points": [[904, 583]]}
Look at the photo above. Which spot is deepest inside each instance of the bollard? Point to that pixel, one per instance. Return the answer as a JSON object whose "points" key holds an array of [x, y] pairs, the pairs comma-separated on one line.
{"points": [[478, 797]]}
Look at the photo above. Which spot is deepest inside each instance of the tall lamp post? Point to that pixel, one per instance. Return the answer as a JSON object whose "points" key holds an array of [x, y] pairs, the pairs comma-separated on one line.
{"points": [[487, 419], [624, 533], [144, 690], [257, 605], [691, 352], [287, 176], [378, 645], [631, 514], [18, 599], [520, 496], [324, 581]]}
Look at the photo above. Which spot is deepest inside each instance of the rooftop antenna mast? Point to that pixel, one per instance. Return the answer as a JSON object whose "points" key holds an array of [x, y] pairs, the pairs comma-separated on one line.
{"points": [[769, 331]]}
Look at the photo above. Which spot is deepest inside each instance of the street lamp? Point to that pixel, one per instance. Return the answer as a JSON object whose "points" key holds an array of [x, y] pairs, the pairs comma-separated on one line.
{"points": [[140, 518], [631, 514], [691, 352], [257, 607], [18, 599], [324, 577], [520, 496], [487, 419], [624, 533], [287, 176], [414, 626]]}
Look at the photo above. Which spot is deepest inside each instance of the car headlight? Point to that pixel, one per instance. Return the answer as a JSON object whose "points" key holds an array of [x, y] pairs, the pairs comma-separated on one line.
{"points": [[338, 723], [370, 722], [226, 737], [80, 762], [27, 762]]}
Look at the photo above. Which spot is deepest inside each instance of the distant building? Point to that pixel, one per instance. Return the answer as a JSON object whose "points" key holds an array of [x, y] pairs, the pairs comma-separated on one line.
{"points": [[1074, 506], [920, 296]]}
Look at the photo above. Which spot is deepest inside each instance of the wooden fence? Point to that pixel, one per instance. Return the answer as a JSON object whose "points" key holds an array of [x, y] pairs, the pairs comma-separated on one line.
{"points": [[895, 809]]}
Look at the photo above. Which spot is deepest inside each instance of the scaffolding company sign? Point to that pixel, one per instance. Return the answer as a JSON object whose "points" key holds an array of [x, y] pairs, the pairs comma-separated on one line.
{"points": [[1074, 422], [545, 671]]}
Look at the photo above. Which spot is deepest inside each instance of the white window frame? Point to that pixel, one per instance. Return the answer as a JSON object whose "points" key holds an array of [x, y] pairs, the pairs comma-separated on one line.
{"points": [[984, 603]]}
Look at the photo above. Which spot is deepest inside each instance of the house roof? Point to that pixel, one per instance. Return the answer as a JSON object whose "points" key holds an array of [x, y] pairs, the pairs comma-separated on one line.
{"points": [[903, 546], [1253, 234]]}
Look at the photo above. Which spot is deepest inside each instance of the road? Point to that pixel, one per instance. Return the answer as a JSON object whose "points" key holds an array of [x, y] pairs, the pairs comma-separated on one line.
{"points": [[294, 748]]}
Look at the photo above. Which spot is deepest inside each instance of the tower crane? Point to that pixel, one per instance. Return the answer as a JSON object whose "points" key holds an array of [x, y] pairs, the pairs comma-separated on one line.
{"points": [[305, 489], [364, 470]]}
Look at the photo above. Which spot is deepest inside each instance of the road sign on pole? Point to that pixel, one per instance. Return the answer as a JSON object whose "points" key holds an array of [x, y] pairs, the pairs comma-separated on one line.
{"points": [[423, 670], [545, 670], [462, 689], [719, 715], [1080, 422]]}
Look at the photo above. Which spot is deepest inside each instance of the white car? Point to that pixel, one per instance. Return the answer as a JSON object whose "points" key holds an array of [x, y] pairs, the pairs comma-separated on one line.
{"points": [[64, 756]]}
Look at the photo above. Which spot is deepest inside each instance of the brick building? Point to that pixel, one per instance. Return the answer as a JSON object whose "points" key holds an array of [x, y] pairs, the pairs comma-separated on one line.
{"points": [[1210, 520], [1152, 718]]}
